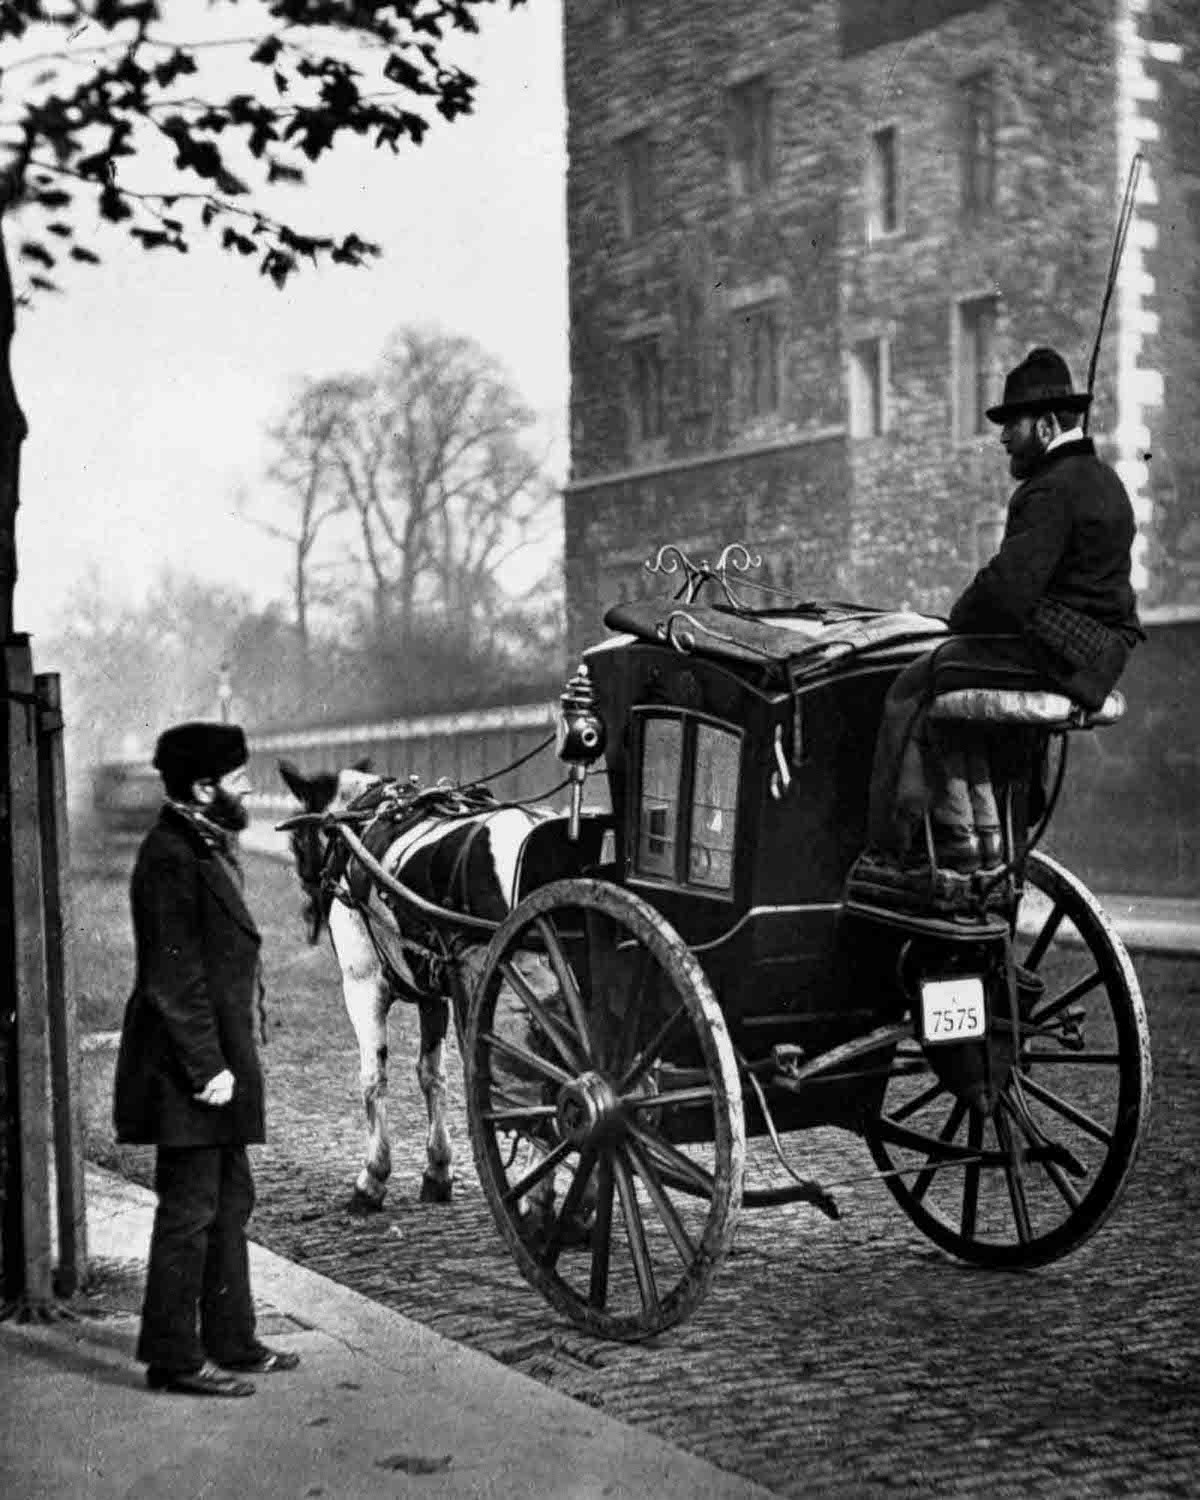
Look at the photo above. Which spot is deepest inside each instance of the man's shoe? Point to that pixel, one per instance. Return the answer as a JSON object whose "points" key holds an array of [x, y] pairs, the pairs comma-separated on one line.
{"points": [[208, 1380], [263, 1361], [991, 848], [956, 850]]}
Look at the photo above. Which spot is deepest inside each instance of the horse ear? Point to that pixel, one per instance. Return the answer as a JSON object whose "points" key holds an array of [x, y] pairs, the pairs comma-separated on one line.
{"points": [[295, 782]]}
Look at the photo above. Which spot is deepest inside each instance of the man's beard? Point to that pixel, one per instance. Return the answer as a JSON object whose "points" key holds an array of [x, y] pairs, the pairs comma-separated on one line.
{"points": [[1024, 458], [227, 812]]}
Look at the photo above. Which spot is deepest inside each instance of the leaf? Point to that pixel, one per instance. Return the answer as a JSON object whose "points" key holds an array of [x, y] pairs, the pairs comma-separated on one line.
{"points": [[31, 250], [113, 205], [267, 50]]}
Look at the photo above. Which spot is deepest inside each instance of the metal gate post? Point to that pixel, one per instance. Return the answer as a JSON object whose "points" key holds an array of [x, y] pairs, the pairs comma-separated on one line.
{"points": [[61, 988], [33, 1039]]}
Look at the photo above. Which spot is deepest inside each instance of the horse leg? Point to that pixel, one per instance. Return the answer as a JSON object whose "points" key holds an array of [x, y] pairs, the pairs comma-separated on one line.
{"points": [[438, 1182], [367, 999]]}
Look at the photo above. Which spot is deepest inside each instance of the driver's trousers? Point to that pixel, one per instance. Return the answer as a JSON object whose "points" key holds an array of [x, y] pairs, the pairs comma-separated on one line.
{"points": [[940, 769]]}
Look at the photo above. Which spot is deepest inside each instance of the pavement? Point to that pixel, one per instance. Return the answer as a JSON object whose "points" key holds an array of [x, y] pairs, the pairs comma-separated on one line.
{"points": [[1168, 925], [379, 1406]]}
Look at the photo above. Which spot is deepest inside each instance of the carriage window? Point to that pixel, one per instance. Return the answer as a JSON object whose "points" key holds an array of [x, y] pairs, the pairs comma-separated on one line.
{"points": [[714, 808], [662, 757]]}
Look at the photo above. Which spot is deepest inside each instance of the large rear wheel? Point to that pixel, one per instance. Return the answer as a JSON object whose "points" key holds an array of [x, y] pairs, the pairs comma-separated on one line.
{"points": [[1037, 1177], [605, 1108]]}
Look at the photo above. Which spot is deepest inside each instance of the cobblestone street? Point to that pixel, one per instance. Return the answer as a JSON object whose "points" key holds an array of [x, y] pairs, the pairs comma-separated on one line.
{"points": [[843, 1359]]}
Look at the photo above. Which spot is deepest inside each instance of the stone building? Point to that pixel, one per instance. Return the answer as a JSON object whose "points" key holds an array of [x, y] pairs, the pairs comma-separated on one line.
{"points": [[807, 238]]}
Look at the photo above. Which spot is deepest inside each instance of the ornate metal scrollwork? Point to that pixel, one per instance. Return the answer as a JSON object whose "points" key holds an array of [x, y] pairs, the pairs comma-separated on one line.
{"points": [[734, 558]]}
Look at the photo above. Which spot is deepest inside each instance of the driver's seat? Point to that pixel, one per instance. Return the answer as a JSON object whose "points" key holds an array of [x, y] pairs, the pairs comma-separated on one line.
{"points": [[1042, 708]]}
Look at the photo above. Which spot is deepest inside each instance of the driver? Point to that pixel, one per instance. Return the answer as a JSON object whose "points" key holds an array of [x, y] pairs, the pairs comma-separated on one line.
{"points": [[1058, 588]]}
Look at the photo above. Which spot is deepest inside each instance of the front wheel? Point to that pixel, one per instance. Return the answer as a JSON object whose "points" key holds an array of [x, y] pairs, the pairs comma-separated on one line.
{"points": [[605, 1108], [1042, 1173]]}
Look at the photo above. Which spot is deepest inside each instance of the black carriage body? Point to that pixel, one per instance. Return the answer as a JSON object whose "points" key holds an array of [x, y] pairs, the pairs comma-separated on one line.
{"points": [[739, 764]]}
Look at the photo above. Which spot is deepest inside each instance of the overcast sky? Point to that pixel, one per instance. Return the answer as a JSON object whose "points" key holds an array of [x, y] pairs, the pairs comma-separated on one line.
{"points": [[149, 385]]}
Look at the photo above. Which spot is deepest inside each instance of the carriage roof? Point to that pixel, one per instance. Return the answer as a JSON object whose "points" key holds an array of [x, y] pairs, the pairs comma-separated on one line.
{"points": [[787, 647]]}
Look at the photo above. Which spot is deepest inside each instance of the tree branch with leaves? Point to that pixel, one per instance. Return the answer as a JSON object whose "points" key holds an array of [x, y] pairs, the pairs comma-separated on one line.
{"points": [[106, 102]]}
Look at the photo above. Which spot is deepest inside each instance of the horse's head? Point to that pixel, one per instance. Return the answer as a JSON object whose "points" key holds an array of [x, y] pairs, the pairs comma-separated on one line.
{"points": [[324, 792]]}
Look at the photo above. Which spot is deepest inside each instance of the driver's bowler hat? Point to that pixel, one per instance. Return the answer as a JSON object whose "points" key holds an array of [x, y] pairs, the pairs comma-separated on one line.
{"points": [[1041, 382]]}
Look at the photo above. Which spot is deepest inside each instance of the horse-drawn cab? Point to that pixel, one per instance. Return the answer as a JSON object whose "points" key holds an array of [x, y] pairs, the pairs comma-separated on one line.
{"points": [[711, 960], [736, 970]]}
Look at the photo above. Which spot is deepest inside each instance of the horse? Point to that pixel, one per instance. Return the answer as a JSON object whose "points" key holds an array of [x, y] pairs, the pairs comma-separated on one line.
{"points": [[457, 848]]}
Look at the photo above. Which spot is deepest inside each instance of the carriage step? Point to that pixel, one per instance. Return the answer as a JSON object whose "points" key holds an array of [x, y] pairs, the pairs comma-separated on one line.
{"points": [[874, 881]]}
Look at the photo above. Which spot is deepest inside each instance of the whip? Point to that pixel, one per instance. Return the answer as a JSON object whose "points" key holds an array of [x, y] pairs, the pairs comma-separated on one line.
{"points": [[1135, 169]]}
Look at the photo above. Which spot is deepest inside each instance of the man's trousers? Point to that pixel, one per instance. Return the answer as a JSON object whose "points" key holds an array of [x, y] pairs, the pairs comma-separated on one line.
{"points": [[198, 1301], [920, 767]]}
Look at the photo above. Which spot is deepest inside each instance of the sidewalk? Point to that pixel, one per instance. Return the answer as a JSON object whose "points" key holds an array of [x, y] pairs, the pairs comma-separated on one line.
{"points": [[1146, 924], [379, 1406]]}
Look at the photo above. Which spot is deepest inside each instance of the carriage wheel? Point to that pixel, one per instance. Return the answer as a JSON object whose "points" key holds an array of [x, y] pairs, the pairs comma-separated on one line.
{"points": [[1044, 1172], [605, 1108]]}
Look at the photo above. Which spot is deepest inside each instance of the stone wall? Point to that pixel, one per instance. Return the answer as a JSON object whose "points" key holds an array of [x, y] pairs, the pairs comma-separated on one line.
{"points": [[915, 506]]}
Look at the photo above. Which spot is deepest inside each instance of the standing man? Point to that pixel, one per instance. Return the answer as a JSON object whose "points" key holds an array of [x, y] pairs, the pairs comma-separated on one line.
{"points": [[188, 1075], [1058, 589]]}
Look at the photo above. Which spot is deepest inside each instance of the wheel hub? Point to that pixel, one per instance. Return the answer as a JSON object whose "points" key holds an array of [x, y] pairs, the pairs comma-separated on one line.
{"points": [[586, 1106]]}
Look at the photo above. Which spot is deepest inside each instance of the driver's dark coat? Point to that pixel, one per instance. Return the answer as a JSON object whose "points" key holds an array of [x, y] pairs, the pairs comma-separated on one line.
{"points": [[195, 998]]}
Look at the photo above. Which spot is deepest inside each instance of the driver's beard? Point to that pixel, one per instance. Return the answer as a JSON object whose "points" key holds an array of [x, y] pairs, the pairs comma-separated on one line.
{"points": [[227, 812]]}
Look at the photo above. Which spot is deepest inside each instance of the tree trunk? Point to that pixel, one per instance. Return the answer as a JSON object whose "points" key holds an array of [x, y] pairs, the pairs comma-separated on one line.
{"points": [[13, 428], [12, 435]]}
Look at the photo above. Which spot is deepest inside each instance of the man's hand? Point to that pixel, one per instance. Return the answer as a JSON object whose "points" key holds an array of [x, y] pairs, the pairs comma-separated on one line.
{"points": [[218, 1090]]}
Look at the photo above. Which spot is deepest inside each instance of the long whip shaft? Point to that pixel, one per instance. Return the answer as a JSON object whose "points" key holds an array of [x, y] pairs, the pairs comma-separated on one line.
{"points": [[1126, 214]]}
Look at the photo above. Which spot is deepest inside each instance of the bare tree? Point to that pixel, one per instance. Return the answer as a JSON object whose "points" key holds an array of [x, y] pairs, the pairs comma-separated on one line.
{"points": [[425, 477]]}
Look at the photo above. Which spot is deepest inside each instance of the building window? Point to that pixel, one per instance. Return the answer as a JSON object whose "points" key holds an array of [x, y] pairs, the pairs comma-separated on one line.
{"points": [[635, 183], [978, 146], [973, 363], [646, 391], [760, 346], [883, 184], [751, 136], [869, 388]]}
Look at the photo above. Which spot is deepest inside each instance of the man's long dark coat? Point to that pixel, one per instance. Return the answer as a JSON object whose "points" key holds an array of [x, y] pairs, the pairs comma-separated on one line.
{"points": [[194, 1005], [1067, 541]]}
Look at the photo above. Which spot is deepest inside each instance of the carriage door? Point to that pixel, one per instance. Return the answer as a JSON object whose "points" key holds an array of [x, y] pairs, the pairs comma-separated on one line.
{"points": [[685, 816]]}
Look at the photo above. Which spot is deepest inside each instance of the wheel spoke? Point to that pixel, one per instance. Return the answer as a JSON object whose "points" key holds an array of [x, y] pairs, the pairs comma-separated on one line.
{"points": [[635, 1232], [564, 1042], [1071, 1195], [602, 1234], [566, 982], [540, 1066], [1088, 1059], [518, 1114], [1069, 1112], [1015, 1176], [624, 1044], [645, 1058], [666, 1209], [919, 1102], [678, 1168], [642, 1102], [947, 1133], [1060, 1002], [970, 1203], [517, 1190], [570, 1205], [1044, 938]]}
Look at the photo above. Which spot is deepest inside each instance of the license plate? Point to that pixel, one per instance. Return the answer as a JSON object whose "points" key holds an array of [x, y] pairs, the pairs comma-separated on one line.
{"points": [[952, 1010]]}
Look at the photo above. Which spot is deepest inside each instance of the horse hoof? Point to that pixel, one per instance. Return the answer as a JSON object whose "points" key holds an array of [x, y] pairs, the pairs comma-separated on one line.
{"points": [[436, 1190], [361, 1203]]}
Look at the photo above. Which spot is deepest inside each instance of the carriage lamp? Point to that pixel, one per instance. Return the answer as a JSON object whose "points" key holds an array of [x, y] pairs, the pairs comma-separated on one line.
{"points": [[580, 739]]}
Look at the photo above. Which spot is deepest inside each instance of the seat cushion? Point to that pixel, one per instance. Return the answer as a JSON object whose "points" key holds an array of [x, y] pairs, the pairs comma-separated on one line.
{"points": [[1050, 710]]}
